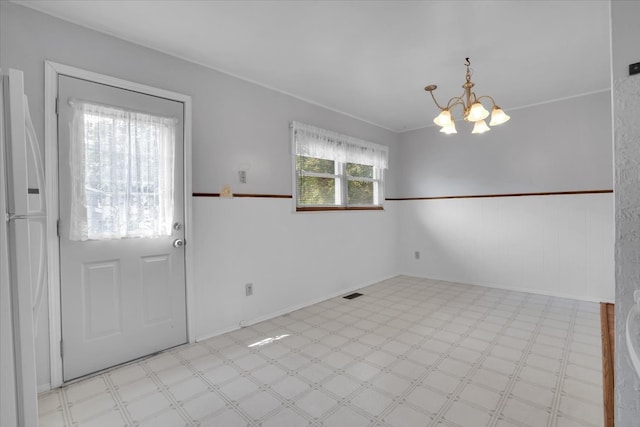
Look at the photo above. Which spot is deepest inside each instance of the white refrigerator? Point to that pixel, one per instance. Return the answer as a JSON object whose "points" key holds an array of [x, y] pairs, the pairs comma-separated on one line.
{"points": [[23, 249]]}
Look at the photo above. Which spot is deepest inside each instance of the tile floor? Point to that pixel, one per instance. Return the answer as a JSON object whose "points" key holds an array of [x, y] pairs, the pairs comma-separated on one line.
{"points": [[410, 352]]}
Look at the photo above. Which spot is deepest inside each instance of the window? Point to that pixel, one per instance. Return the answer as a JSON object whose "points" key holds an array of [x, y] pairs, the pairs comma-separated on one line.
{"points": [[122, 173], [337, 172]]}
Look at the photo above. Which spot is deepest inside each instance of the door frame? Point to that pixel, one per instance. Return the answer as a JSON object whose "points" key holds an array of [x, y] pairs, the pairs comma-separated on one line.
{"points": [[51, 72]]}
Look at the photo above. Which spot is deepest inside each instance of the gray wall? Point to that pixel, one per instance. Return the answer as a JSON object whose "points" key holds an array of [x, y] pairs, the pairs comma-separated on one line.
{"points": [[234, 122], [558, 146], [626, 111]]}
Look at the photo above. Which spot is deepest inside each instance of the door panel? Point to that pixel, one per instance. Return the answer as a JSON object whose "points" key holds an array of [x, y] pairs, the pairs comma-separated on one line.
{"points": [[101, 289], [155, 275], [121, 298]]}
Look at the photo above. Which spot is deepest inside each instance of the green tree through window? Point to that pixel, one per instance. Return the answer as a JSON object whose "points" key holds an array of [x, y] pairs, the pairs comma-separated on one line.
{"points": [[320, 189]]}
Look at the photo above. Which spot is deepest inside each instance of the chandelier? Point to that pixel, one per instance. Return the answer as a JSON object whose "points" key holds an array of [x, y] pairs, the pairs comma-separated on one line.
{"points": [[473, 110]]}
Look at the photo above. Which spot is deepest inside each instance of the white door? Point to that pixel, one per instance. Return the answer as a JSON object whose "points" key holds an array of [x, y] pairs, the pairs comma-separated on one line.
{"points": [[122, 274]]}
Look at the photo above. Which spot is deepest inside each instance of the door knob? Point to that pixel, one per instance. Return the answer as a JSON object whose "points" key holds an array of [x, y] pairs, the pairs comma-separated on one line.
{"points": [[178, 243]]}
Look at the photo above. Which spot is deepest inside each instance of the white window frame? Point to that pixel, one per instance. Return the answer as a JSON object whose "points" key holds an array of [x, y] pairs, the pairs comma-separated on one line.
{"points": [[378, 159]]}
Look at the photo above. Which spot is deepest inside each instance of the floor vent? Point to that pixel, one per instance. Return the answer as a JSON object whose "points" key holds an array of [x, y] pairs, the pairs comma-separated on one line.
{"points": [[353, 295]]}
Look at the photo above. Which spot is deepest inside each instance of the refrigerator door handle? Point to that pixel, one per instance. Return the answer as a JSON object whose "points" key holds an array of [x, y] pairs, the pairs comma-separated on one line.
{"points": [[11, 217]]}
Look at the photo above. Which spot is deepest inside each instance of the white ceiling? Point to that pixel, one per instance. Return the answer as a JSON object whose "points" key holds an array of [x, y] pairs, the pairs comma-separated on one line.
{"points": [[372, 59]]}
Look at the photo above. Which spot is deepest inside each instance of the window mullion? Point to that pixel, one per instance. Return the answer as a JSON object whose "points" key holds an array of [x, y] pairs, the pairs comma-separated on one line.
{"points": [[376, 186], [345, 184], [361, 178], [338, 169], [317, 174]]}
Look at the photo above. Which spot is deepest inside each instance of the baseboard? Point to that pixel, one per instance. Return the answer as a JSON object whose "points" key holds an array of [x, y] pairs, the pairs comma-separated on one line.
{"points": [[525, 290], [244, 323]]}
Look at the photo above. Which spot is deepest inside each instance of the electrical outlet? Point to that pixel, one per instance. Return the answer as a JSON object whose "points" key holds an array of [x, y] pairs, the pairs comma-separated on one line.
{"points": [[248, 288], [242, 176], [416, 254]]}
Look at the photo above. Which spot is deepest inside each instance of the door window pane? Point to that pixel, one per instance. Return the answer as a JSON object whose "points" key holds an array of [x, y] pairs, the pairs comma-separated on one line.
{"points": [[122, 173]]}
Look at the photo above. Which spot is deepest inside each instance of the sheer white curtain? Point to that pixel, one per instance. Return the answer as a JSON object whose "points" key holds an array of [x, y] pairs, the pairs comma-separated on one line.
{"points": [[320, 143], [122, 169]]}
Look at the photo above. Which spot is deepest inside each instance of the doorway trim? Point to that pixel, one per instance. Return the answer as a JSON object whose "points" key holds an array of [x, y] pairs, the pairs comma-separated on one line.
{"points": [[51, 72]]}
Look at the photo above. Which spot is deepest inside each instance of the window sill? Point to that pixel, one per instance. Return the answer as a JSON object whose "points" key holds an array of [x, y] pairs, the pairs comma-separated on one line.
{"points": [[338, 208]]}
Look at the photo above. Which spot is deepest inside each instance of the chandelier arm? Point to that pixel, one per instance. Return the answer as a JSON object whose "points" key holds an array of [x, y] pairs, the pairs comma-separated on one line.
{"points": [[435, 101], [460, 99], [472, 98], [457, 101], [487, 96]]}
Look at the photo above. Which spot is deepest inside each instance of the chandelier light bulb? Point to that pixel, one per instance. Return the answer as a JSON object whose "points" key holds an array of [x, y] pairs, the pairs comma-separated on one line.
{"points": [[480, 127], [449, 129], [443, 119], [498, 116], [477, 112]]}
